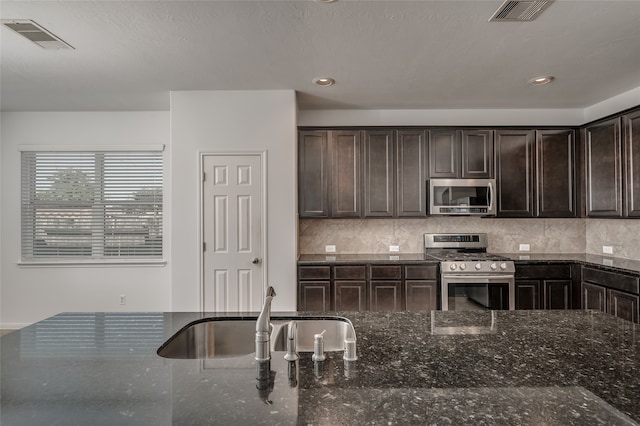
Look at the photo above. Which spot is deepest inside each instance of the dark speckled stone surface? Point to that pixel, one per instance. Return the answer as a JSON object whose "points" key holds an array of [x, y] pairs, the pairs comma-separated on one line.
{"points": [[502, 368]]}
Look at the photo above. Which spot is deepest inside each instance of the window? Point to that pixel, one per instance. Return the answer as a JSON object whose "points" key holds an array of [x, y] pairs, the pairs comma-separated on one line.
{"points": [[91, 205]]}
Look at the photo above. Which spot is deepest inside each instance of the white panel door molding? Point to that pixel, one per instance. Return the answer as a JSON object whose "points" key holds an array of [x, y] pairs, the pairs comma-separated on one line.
{"points": [[232, 232]]}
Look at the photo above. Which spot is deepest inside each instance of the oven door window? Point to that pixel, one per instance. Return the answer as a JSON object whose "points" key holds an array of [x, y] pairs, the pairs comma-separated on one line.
{"points": [[478, 296]]}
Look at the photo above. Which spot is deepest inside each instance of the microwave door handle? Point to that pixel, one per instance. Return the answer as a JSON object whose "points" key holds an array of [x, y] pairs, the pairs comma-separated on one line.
{"points": [[490, 197]]}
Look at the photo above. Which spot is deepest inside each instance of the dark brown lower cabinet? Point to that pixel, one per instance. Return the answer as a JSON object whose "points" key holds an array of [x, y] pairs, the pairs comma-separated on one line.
{"points": [[623, 305], [421, 287], [350, 288], [385, 296], [594, 297], [527, 294], [314, 288], [557, 294], [612, 292], [545, 286], [314, 296], [375, 287]]}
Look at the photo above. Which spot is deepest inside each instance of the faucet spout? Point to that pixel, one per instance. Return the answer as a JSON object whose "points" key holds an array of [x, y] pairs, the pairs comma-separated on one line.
{"points": [[263, 328]]}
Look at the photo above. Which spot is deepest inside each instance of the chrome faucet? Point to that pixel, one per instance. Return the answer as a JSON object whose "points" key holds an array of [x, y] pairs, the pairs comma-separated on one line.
{"points": [[263, 328]]}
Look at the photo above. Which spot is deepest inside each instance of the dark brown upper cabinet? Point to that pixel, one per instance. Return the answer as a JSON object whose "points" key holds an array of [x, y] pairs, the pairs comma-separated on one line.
{"points": [[411, 173], [460, 153], [313, 172], [379, 179], [556, 173], [631, 133], [345, 149], [395, 166], [603, 169], [535, 173], [330, 173], [515, 172]]}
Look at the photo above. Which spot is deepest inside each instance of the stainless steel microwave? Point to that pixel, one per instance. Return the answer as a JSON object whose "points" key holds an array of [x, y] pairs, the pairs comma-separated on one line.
{"points": [[474, 197]]}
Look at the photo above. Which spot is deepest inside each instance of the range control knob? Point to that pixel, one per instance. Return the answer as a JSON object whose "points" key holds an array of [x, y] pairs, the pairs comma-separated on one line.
{"points": [[503, 266], [453, 266], [463, 266], [494, 266], [478, 266]]}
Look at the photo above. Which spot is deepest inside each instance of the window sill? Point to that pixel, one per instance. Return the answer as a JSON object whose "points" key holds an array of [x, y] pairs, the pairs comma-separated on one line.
{"points": [[91, 263]]}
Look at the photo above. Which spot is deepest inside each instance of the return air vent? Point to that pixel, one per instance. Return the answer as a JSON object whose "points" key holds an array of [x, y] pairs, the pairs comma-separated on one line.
{"points": [[37, 34], [514, 11]]}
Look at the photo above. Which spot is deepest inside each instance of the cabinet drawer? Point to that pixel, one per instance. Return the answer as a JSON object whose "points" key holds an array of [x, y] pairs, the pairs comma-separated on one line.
{"points": [[421, 272], [351, 272], [553, 272], [314, 272], [611, 279], [386, 272]]}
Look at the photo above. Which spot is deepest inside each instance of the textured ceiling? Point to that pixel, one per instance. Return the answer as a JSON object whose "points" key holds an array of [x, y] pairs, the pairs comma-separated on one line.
{"points": [[383, 54]]}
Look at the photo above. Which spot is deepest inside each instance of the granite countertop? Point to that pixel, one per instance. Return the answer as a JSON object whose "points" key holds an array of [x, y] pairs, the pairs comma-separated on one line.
{"points": [[505, 367], [602, 262]]}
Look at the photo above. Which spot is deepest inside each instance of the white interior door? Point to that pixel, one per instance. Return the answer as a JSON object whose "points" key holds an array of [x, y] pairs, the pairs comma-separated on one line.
{"points": [[232, 233]]}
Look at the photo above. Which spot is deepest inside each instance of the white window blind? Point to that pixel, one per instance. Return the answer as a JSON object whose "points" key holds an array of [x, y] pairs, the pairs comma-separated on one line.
{"points": [[91, 205]]}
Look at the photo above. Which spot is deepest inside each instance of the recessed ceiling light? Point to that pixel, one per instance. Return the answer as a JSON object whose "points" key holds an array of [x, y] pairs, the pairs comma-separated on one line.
{"points": [[324, 81], [542, 80]]}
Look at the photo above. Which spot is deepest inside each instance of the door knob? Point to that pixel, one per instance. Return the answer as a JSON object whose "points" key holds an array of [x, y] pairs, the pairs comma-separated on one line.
{"points": [[255, 261]]}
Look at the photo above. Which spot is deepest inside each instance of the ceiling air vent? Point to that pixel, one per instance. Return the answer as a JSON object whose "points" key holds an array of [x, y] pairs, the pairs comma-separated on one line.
{"points": [[37, 34], [525, 10]]}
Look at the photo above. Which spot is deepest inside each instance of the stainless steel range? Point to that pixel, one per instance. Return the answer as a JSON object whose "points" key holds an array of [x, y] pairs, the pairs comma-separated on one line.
{"points": [[471, 278]]}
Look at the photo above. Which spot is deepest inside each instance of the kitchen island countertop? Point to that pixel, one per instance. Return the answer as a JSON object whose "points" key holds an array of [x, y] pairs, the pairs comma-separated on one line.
{"points": [[518, 367]]}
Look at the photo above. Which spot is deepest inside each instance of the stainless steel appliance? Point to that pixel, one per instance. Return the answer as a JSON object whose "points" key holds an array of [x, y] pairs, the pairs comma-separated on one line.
{"points": [[471, 278], [462, 197]]}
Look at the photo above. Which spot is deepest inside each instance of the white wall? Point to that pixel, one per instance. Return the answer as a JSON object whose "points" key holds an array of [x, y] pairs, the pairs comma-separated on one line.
{"points": [[29, 294], [233, 121], [472, 117]]}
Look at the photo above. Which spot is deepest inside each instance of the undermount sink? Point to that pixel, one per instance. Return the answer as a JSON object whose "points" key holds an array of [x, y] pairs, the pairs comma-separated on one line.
{"points": [[225, 338]]}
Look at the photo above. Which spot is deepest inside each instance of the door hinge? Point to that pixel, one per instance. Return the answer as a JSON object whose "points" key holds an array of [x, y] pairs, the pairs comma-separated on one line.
{"points": [[204, 176], [204, 246]]}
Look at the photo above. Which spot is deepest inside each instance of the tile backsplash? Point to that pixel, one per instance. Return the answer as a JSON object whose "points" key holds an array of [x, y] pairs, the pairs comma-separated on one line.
{"points": [[361, 236]]}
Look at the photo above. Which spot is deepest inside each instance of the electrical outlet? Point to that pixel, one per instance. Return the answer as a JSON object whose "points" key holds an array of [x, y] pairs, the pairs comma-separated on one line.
{"points": [[607, 249], [394, 248], [330, 249], [525, 247], [123, 299]]}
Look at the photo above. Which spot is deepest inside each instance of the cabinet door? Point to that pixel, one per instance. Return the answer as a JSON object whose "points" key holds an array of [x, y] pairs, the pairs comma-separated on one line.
{"points": [[594, 297], [350, 295], [632, 146], [555, 152], [623, 305], [385, 296], [379, 174], [313, 156], [314, 296], [603, 161], [421, 295], [557, 294], [411, 168], [477, 154], [346, 177], [444, 153], [515, 173], [527, 294]]}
